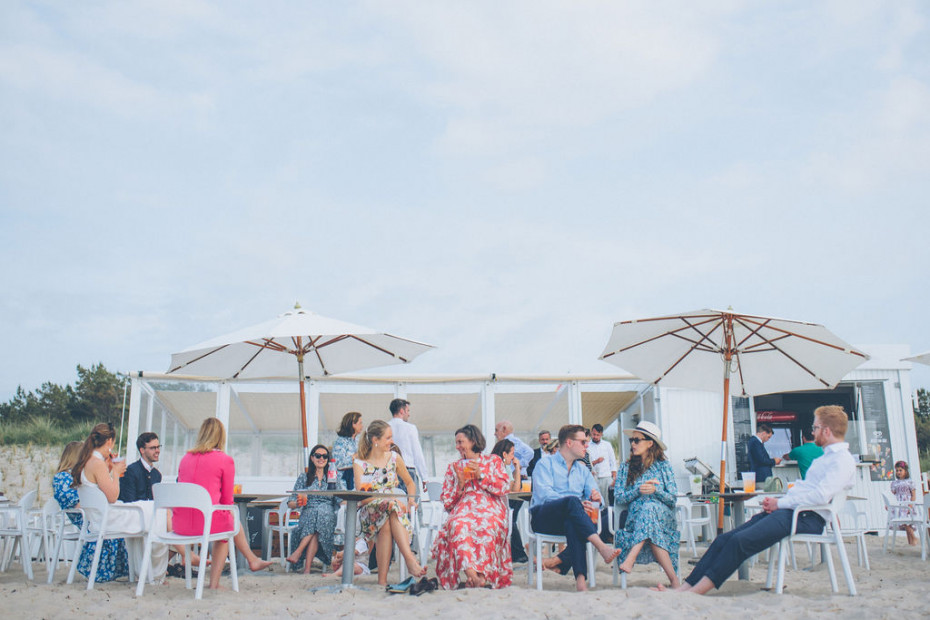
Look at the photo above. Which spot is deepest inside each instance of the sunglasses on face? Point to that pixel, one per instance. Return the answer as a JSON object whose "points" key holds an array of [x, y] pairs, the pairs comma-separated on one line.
{"points": [[636, 440], [321, 455]]}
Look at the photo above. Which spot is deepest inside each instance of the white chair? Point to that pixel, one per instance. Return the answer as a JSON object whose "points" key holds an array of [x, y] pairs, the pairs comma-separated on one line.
{"points": [[66, 532], [100, 524], [282, 528], [194, 496], [41, 531], [854, 524], [434, 516], [14, 533], [536, 541], [831, 535], [905, 513], [690, 519]]}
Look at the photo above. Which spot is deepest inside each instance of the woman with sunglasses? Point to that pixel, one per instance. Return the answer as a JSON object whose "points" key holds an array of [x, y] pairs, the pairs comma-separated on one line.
{"points": [[313, 535], [646, 486]]}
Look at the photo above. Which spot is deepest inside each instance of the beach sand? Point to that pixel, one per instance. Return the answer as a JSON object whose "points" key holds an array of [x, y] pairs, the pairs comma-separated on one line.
{"points": [[895, 588]]}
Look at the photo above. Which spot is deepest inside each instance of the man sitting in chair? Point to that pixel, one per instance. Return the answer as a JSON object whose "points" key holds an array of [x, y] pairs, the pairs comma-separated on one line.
{"points": [[828, 475], [562, 490]]}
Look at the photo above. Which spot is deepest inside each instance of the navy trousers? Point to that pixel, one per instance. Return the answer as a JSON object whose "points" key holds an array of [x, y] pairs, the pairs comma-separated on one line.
{"points": [[566, 517], [732, 548]]}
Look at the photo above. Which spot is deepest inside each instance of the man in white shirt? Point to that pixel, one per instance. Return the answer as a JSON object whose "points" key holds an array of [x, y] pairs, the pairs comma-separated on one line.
{"points": [[407, 438], [604, 468], [828, 475]]}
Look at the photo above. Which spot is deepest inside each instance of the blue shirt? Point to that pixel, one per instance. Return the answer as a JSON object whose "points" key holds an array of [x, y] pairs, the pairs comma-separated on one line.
{"points": [[552, 479], [523, 452]]}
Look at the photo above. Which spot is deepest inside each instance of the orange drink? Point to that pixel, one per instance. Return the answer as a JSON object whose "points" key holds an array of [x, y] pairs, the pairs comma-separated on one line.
{"points": [[593, 512], [237, 489], [525, 487]]}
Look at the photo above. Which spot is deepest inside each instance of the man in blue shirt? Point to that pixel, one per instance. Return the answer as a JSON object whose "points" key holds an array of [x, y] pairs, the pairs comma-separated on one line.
{"points": [[562, 489]]}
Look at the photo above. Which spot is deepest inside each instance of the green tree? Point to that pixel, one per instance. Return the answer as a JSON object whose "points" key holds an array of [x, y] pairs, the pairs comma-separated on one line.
{"points": [[99, 395], [922, 426]]}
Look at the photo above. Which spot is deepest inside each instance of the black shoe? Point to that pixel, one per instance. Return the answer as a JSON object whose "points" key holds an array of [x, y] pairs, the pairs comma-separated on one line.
{"points": [[520, 559]]}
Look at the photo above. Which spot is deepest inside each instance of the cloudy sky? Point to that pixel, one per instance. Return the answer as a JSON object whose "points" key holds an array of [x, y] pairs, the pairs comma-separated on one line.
{"points": [[502, 180]]}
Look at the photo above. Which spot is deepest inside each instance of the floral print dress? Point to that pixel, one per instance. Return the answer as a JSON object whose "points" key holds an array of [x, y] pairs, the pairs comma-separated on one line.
{"points": [[317, 517], [650, 517], [114, 561], [475, 534], [375, 514]]}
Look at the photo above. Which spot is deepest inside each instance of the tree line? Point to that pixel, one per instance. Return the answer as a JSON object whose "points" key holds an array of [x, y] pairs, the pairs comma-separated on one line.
{"points": [[96, 396]]}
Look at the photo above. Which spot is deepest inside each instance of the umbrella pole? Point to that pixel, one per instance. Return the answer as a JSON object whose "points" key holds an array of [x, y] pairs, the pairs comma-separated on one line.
{"points": [[303, 409], [723, 445]]}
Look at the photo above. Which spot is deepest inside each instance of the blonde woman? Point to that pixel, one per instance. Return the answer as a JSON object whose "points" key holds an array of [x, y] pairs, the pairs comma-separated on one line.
{"points": [[379, 469], [207, 465]]}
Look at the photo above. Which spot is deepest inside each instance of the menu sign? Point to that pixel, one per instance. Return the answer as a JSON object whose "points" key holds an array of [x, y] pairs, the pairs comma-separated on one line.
{"points": [[742, 431], [877, 440]]}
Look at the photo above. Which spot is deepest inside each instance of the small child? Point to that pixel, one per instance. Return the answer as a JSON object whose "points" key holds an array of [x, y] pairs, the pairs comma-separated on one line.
{"points": [[904, 490], [361, 548]]}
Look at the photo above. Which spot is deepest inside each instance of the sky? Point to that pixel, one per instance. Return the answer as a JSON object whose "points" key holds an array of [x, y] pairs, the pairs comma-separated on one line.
{"points": [[501, 180]]}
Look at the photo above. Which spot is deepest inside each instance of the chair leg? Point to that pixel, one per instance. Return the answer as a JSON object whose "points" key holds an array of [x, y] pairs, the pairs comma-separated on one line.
{"points": [[828, 558], [539, 567], [233, 569], [844, 563], [54, 565], [774, 552], [144, 566], [782, 559], [78, 549], [92, 577]]}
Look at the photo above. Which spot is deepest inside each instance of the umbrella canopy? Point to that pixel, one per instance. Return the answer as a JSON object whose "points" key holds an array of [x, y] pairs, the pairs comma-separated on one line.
{"points": [[297, 342], [920, 358], [706, 349]]}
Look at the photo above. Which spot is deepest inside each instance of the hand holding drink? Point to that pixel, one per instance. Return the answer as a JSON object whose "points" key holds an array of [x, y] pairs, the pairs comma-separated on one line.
{"points": [[592, 509], [301, 500], [118, 464]]}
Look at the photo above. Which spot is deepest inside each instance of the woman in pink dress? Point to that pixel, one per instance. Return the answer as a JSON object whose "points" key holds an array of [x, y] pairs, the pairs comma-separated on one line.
{"points": [[474, 537], [207, 465]]}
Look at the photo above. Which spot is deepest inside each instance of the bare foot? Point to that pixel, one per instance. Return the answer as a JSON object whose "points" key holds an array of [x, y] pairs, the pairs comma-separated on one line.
{"points": [[626, 567], [258, 564], [610, 554], [218, 587], [415, 569], [552, 564]]}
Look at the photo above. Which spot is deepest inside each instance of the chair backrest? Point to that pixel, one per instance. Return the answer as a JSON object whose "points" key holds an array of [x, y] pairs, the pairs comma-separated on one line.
{"points": [[94, 503], [181, 495], [28, 500], [434, 490]]}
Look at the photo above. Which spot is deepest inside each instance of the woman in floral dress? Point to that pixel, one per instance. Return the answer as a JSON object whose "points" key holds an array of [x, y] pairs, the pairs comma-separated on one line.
{"points": [[114, 561], [904, 490], [314, 533], [379, 469], [346, 445], [646, 486], [474, 537]]}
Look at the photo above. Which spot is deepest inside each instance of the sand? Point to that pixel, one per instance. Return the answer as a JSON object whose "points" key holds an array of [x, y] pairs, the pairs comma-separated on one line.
{"points": [[894, 588]]}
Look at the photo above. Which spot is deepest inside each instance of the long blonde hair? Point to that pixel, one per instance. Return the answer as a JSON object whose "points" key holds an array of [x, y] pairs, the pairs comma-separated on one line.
{"points": [[212, 436], [69, 456], [375, 431], [99, 435]]}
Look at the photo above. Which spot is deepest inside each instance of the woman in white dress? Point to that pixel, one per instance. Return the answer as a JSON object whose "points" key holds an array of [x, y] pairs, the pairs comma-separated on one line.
{"points": [[96, 468]]}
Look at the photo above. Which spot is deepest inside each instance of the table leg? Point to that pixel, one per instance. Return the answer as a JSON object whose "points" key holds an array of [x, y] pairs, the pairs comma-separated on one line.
{"points": [[739, 517], [348, 557], [241, 565]]}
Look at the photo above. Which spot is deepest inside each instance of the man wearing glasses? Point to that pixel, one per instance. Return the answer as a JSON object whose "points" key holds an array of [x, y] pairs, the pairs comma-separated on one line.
{"points": [[563, 489], [137, 482], [828, 475]]}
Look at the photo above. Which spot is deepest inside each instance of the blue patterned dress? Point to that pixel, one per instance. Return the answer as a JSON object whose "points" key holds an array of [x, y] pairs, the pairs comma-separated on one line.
{"points": [[114, 561], [317, 517], [344, 449], [650, 517]]}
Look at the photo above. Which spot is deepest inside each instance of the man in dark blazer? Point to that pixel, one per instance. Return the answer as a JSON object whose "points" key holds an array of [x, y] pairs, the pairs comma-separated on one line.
{"points": [[136, 483], [544, 437]]}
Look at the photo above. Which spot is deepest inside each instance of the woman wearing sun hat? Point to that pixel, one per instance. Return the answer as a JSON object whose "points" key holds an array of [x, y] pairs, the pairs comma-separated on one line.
{"points": [[646, 486]]}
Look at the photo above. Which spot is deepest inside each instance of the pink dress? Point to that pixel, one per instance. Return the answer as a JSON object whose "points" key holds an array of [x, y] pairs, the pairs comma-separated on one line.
{"points": [[475, 534], [215, 472]]}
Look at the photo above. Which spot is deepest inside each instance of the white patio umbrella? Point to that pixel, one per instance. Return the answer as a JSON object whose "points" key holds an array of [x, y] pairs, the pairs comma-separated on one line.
{"points": [[298, 340], [920, 358], [706, 349]]}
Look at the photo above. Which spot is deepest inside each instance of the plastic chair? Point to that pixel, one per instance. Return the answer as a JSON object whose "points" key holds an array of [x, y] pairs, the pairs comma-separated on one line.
{"points": [[66, 532], [854, 524], [905, 513], [14, 533], [42, 529], [282, 528], [536, 541], [98, 528], [188, 495], [831, 535], [689, 520]]}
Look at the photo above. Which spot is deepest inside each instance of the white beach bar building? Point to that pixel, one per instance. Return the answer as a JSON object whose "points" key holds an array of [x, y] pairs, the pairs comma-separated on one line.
{"points": [[264, 436]]}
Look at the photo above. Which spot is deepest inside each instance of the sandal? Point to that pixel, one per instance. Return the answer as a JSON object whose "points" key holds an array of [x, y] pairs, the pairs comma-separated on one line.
{"points": [[403, 587], [424, 585]]}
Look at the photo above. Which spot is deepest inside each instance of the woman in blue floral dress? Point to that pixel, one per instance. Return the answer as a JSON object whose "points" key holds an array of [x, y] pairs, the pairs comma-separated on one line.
{"points": [[646, 486], [346, 445], [114, 561], [313, 534]]}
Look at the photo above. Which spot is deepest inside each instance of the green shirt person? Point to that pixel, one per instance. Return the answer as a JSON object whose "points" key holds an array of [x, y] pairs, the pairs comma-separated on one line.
{"points": [[805, 453]]}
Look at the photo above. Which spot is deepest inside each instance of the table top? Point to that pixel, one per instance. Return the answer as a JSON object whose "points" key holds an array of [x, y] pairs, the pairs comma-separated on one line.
{"points": [[521, 495], [344, 494]]}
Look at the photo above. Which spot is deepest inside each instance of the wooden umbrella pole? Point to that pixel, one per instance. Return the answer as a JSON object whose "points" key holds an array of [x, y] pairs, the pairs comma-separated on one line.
{"points": [[727, 359], [303, 407]]}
